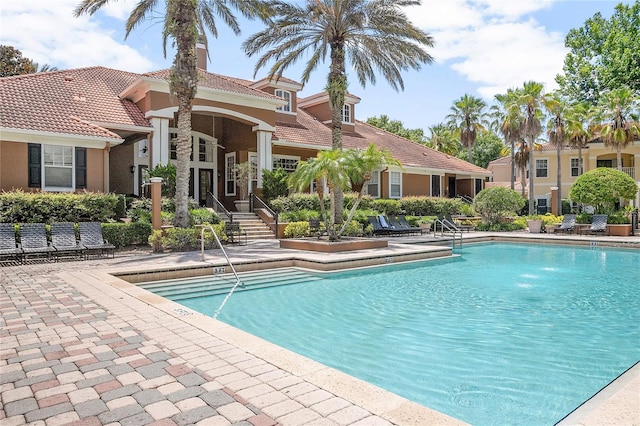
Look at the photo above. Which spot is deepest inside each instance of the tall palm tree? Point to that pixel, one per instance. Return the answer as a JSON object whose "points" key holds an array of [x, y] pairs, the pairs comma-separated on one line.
{"points": [[443, 139], [557, 131], [467, 115], [506, 119], [580, 117], [373, 35], [530, 127], [185, 21], [521, 159], [618, 107]]}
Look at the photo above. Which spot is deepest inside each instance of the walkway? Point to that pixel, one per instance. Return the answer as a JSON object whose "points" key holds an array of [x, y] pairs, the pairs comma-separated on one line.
{"points": [[80, 346]]}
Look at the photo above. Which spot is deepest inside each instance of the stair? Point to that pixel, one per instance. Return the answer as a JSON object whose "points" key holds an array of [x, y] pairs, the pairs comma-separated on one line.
{"points": [[222, 283], [254, 226]]}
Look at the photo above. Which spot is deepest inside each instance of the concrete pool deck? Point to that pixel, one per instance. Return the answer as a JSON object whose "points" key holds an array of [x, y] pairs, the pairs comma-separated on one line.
{"points": [[82, 345]]}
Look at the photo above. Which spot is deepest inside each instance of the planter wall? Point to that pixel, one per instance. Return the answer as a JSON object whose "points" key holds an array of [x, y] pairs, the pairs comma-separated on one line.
{"points": [[623, 230]]}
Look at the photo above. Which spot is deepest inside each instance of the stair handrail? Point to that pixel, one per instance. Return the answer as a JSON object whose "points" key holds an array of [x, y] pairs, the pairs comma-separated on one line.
{"points": [[253, 200], [466, 199], [218, 207], [451, 227]]}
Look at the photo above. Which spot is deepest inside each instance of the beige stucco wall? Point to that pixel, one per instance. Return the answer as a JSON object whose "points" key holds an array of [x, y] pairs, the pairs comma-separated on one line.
{"points": [[13, 166], [415, 184]]}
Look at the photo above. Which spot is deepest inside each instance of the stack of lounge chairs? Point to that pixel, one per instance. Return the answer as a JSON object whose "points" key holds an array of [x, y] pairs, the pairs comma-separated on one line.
{"points": [[392, 226], [33, 241]]}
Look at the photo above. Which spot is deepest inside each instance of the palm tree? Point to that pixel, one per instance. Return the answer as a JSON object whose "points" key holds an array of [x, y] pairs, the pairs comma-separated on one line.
{"points": [[618, 106], [579, 128], [375, 35], [467, 115], [443, 139], [530, 127], [557, 131], [521, 159], [506, 118], [185, 22]]}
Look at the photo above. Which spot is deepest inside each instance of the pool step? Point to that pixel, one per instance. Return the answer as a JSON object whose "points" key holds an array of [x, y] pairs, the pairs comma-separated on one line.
{"points": [[222, 283]]}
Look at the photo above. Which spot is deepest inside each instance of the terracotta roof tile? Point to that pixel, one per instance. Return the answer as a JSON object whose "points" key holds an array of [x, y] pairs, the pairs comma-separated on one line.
{"points": [[67, 101]]}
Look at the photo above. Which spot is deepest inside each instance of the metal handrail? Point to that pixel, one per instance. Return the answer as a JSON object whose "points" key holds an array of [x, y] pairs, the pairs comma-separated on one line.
{"points": [[451, 227], [218, 207], [253, 200]]}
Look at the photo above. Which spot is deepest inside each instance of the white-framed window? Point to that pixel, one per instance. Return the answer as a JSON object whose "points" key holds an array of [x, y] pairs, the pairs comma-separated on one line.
{"points": [[286, 95], [287, 162], [173, 146], [395, 184], [373, 186], [346, 113], [435, 186], [541, 168], [312, 188], [58, 167], [575, 167], [230, 174], [542, 205]]}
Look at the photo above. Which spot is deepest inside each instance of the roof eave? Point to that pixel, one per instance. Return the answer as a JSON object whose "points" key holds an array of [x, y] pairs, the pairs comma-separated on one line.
{"points": [[35, 136]]}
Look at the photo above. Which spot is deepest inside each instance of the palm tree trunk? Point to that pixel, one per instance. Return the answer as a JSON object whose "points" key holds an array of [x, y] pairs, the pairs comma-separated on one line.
{"points": [[513, 164], [559, 180], [619, 156], [531, 172], [523, 178], [337, 88]]}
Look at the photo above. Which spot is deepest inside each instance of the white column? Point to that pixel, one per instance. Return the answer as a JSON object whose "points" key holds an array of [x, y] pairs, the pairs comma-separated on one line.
{"points": [[265, 157], [159, 142]]}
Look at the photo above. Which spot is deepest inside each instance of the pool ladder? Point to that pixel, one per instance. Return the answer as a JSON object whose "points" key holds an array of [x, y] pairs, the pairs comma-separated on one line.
{"points": [[235, 274], [451, 227]]}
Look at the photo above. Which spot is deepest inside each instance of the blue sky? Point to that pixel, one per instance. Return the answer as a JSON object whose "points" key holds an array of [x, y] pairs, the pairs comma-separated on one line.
{"points": [[482, 48]]}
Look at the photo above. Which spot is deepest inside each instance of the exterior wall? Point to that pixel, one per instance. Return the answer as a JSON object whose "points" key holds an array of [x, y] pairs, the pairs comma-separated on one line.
{"points": [[13, 166], [418, 185], [96, 159]]}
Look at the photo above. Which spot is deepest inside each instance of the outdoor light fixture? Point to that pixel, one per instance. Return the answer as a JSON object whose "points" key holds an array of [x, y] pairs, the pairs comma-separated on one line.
{"points": [[133, 169]]}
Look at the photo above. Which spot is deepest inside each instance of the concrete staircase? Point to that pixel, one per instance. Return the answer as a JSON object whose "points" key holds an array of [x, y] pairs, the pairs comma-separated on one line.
{"points": [[256, 229]]}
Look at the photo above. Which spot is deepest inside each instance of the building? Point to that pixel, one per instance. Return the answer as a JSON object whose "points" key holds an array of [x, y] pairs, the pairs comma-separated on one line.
{"points": [[97, 129], [594, 155]]}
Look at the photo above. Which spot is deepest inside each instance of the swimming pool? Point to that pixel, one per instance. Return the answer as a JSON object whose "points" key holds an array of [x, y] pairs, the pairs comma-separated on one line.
{"points": [[506, 334]]}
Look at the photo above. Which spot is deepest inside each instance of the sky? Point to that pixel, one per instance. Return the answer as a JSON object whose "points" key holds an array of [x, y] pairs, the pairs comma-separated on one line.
{"points": [[482, 48]]}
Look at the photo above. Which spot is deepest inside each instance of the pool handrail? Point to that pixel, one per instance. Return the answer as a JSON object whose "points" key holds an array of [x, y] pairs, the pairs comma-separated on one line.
{"points": [[204, 228], [451, 227]]}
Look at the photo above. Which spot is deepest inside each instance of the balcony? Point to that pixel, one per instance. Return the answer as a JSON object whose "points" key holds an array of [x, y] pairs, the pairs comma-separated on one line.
{"points": [[631, 171]]}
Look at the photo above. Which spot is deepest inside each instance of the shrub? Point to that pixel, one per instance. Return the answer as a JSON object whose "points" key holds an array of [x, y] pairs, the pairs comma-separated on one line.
{"points": [[298, 216], [201, 216], [274, 183], [602, 188], [492, 204], [388, 207], [185, 239], [297, 230], [168, 175], [353, 229], [126, 234]]}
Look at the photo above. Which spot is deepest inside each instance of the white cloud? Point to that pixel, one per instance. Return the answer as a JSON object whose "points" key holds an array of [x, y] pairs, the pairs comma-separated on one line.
{"points": [[47, 32], [494, 43]]}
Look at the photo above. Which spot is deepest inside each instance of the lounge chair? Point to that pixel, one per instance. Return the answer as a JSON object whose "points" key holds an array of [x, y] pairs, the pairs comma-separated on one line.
{"points": [[92, 240], [63, 240], [33, 241], [598, 225], [446, 224], [568, 224], [377, 227], [8, 245], [401, 223], [458, 225]]}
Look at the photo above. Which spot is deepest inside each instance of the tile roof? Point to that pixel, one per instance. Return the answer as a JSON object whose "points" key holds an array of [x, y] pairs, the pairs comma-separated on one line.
{"points": [[410, 154], [69, 101]]}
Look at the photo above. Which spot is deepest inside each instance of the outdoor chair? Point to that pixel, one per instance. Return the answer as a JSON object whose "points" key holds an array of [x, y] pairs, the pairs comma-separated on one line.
{"points": [[92, 240], [457, 224], [315, 228], [63, 240], [9, 248], [598, 225], [568, 224], [403, 221], [234, 233], [400, 228], [446, 224], [377, 227], [33, 240]]}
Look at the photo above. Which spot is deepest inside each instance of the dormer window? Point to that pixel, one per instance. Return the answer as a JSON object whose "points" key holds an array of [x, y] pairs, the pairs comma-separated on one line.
{"points": [[286, 95], [346, 113]]}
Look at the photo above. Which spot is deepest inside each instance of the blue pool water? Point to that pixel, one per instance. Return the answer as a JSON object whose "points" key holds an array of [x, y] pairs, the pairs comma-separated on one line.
{"points": [[506, 334]]}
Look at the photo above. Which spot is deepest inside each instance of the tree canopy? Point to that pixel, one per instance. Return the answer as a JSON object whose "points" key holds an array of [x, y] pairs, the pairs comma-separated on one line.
{"points": [[488, 147], [604, 55], [13, 63], [602, 188], [397, 128]]}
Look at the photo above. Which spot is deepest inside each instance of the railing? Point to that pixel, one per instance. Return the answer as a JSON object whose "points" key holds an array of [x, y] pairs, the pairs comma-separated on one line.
{"points": [[466, 199], [256, 202], [218, 207], [235, 274], [451, 227], [631, 171]]}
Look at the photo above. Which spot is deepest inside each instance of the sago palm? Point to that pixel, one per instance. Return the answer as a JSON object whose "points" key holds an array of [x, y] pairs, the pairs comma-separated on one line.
{"points": [[467, 116], [184, 21], [373, 36]]}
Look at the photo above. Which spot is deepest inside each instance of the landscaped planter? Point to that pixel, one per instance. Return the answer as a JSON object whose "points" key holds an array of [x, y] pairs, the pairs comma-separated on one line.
{"points": [[623, 230], [325, 246], [535, 226]]}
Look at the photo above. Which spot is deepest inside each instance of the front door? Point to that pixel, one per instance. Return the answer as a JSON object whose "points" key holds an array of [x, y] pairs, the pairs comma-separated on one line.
{"points": [[452, 186], [205, 180]]}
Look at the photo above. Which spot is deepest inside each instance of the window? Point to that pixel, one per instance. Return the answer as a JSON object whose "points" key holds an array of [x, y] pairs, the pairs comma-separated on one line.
{"points": [[478, 186], [435, 185], [541, 168], [58, 167], [230, 174], [542, 206], [575, 167], [173, 146], [395, 184], [205, 150], [287, 163], [346, 113], [286, 96], [373, 186]]}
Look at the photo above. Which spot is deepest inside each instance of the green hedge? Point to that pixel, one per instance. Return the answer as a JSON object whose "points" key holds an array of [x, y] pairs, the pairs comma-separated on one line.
{"points": [[38, 207], [126, 234]]}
